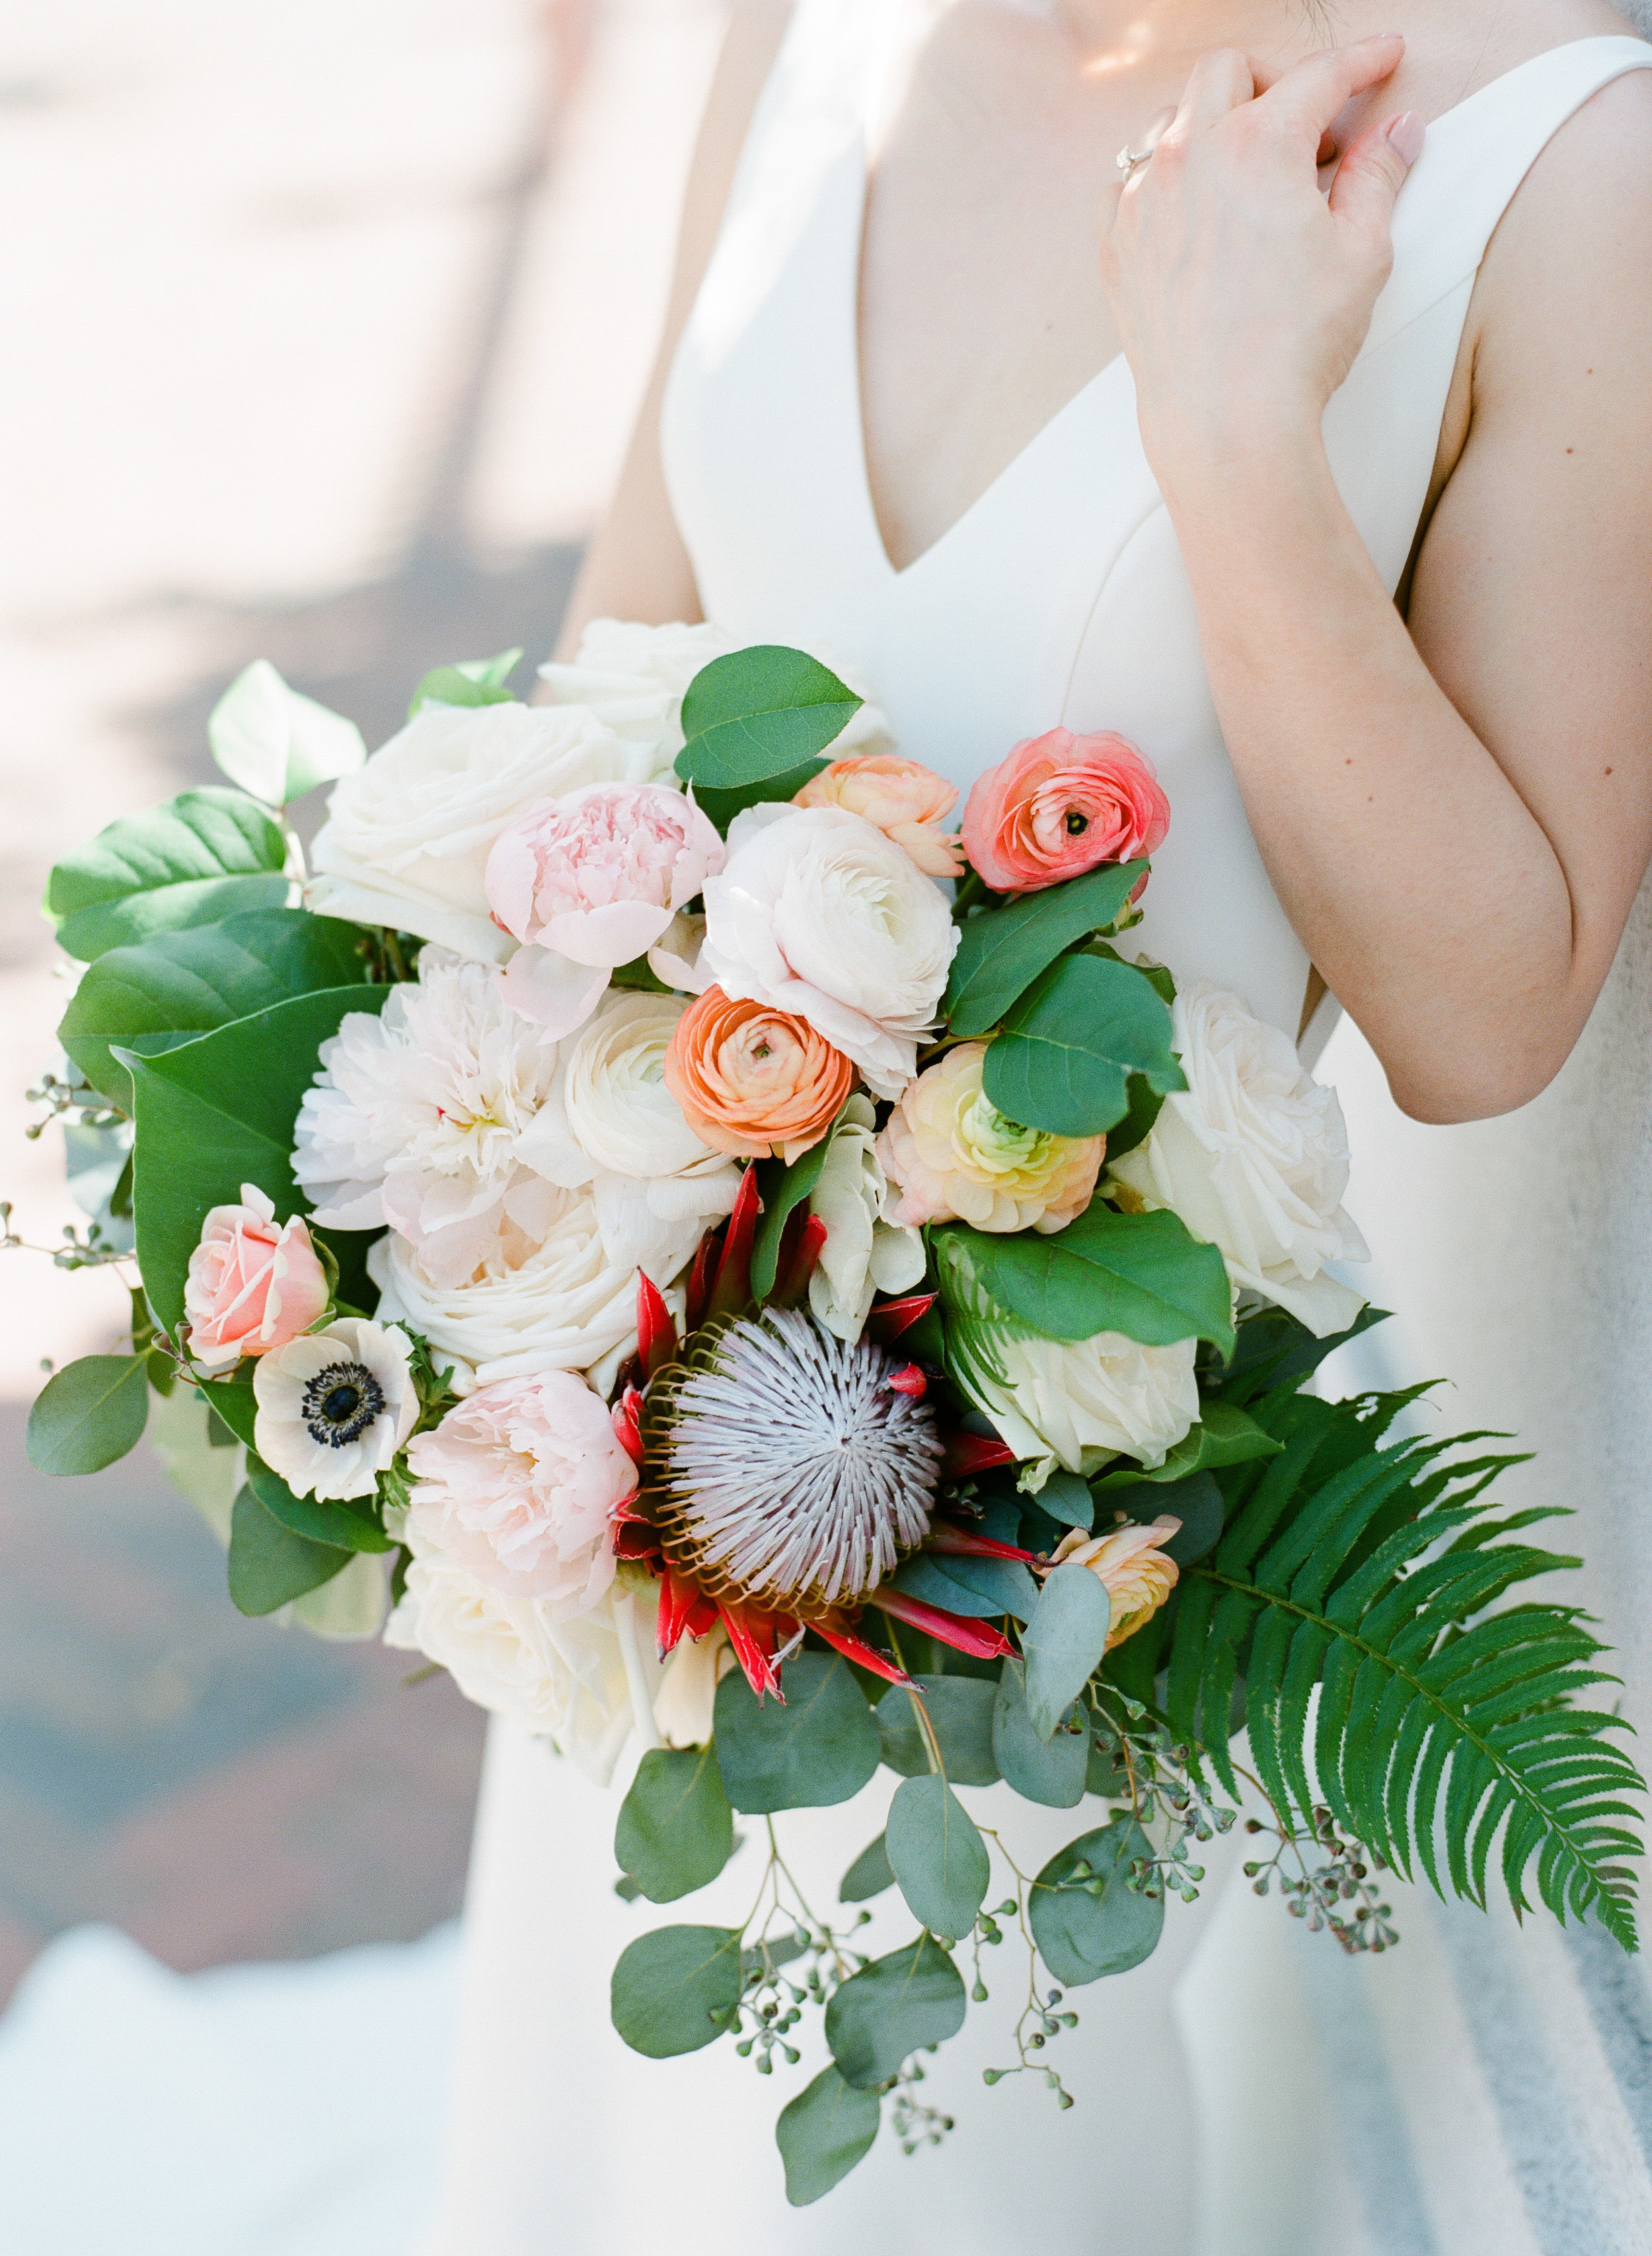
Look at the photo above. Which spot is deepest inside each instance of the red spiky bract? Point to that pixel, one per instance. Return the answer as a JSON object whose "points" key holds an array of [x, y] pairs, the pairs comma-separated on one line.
{"points": [[731, 1286], [963, 1635], [700, 1282], [626, 1415], [910, 1381], [890, 1318], [968, 1454], [856, 1649], [656, 1334], [944, 1537], [753, 1636], [800, 1250], [684, 1612]]}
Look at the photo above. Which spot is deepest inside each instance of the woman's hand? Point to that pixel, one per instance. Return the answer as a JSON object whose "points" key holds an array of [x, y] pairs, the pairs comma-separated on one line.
{"points": [[1243, 292]]}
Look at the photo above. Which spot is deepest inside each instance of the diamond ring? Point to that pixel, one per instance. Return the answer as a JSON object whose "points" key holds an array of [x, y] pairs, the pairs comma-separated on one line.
{"points": [[1128, 158]]}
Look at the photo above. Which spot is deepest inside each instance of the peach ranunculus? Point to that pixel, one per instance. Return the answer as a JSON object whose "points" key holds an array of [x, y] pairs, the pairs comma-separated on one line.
{"points": [[1060, 805], [903, 798], [957, 1158], [752, 1080], [253, 1285], [1137, 1576], [598, 875]]}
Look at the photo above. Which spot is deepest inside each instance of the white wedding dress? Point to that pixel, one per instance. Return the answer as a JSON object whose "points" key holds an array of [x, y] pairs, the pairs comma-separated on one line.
{"points": [[1059, 596]]}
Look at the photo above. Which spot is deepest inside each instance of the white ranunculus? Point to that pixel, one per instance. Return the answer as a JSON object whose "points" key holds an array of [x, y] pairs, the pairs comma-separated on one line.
{"points": [[334, 1406], [406, 838], [1253, 1158], [417, 1117], [611, 1123], [864, 1252], [816, 912], [579, 1683]]}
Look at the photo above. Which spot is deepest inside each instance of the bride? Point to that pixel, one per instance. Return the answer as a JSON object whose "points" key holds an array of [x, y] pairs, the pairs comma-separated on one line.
{"points": [[1322, 470]]}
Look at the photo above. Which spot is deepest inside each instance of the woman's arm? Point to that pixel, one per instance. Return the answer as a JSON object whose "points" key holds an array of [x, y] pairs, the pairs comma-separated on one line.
{"points": [[637, 567], [1456, 818]]}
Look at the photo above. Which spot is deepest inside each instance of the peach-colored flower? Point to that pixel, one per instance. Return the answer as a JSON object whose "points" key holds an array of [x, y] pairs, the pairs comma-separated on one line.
{"points": [[903, 798], [957, 1158], [1059, 805], [597, 876], [754, 1080], [253, 1284], [1138, 1576]]}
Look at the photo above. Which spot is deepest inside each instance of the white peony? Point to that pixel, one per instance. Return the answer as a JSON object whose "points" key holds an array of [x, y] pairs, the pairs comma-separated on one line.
{"points": [[864, 1251], [406, 838], [334, 1406], [1253, 1158], [417, 1117], [632, 678], [585, 1682], [818, 913], [611, 1123]]}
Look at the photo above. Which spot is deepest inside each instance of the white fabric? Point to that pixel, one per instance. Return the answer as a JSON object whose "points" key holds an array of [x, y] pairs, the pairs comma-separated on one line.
{"points": [[1058, 597]]}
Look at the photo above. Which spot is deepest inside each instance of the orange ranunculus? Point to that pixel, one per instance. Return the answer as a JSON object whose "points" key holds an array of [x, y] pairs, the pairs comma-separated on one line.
{"points": [[752, 1080], [1061, 804], [903, 798]]}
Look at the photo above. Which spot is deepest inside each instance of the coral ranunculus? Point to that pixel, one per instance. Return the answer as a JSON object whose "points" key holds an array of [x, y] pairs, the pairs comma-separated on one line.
{"points": [[903, 798], [754, 1080], [1060, 805]]}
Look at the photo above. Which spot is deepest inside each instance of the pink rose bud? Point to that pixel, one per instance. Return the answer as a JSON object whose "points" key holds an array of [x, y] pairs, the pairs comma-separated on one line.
{"points": [[597, 876], [903, 798], [1061, 805], [253, 1285]]}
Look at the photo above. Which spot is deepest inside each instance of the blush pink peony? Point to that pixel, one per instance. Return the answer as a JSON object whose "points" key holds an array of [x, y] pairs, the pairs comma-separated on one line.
{"points": [[903, 798], [597, 876], [518, 1485], [1060, 805], [253, 1285]]}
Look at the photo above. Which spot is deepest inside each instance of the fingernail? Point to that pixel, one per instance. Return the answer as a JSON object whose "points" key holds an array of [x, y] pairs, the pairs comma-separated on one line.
{"points": [[1407, 133]]}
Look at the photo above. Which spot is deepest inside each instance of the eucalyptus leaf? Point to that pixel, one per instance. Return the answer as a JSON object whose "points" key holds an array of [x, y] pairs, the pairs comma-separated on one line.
{"points": [[752, 717], [960, 1712], [1001, 951], [1066, 1497], [198, 857], [1086, 1920], [1063, 1643], [347, 1527], [1050, 1770], [994, 1586], [822, 2133], [1142, 1274], [892, 2008], [1071, 1043], [269, 1564], [88, 1414], [676, 1989], [819, 1747], [868, 1875], [276, 744], [676, 1830], [938, 1858]]}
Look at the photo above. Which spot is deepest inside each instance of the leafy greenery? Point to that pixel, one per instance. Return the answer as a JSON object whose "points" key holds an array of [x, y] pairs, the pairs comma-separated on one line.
{"points": [[469, 681], [822, 2133], [960, 1712], [1001, 951], [913, 1998], [980, 1587], [1142, 1274], [203, 856], [759, 717], [88, 1414], [1086, 1920], [1226, 1435], [783, 1189], [1063, 1644], [868, 1875], [938, 1858], [1197, 1501], [1071, 1043], [676, 1989], [345, 1526], [276, 744], [1050, 1767], [676, 1830], [270, 1564], [820, 1746]]}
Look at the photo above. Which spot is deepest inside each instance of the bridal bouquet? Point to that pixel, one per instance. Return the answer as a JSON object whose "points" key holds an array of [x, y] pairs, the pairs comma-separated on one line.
{"points": [[615, 1212]]}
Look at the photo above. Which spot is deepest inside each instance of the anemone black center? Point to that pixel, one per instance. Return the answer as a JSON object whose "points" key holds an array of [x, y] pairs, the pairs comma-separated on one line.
{"points": [[340, 1403], [1076, 823]]}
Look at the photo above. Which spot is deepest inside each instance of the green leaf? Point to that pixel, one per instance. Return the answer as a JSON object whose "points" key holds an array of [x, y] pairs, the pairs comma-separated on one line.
{"points": [[1001, 951], [720, 807], [1141, 1114], [892, 2008], [1070, 1044], [1275, 1349], [1197, 1502], [937, 1857], [868, 1875], [471, 682], [345, 1527], [981, 1588], [960, 1710], [1142, 1274], [1066, 1497], [88, 1414], [188, 983], [219, 1113], [234, 1405], [753, 716], [676, 1830], [1063, 1642], [822, 2133], [782, 1188], [676, 1989], [269, 1564], [1086, 1921], [1224, 1436], [276, 744], [1049, 1770], [820, 1747], [200, 856]]}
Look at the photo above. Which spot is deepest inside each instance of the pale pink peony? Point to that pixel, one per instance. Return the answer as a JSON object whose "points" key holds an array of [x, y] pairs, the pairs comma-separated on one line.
{"points": [[1130, 1563], [597, 876], [1060, 805], [254, 1283], [903, 798], [518, 1485], [958, 1159]]}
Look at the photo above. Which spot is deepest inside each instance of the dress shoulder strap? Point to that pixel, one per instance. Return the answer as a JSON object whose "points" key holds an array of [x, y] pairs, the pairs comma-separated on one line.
{"points": [[1474, 158]]}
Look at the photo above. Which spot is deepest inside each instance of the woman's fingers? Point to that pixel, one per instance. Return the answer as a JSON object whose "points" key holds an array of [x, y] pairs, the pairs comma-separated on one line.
{"points": [[1222, 79], [1312, 92], [1373, 173]]}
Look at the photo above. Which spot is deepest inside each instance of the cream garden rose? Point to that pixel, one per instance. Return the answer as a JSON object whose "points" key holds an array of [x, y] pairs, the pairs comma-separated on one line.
{"points": [[1253, 1158], [632, 679]]}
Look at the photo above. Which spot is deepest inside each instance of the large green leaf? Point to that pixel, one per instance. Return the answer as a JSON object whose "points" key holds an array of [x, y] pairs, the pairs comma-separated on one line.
{"points": [[351, 1526], [277, 743], [1142, 1274], [188, 983], [822, 2133], [783, 1189], [892, 2008], [960, 1712], [1049, 1768], [88, 1414], [1086, 1920], [270, 1564], [755, 716], [1071, 1043], [200, 856], [1063, 1643], [676, 1989], [676, 1830], [219, 1113], [1001, 951], [937, 1857], [821, 1746], [982, 1587]]}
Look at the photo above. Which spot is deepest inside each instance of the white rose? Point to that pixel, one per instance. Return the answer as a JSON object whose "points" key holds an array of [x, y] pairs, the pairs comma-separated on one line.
{"points": [[817, 914], [406, 838], [631, 678], [1253, 1158], [611, 1121], [864, 1252]]}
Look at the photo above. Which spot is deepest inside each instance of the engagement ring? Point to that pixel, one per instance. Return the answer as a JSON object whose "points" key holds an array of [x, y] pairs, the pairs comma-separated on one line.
{"points": [[1128, 158]]}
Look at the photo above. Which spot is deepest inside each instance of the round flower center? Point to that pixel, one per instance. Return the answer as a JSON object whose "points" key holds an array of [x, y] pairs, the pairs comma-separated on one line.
{"points": [[340, 1404], [1077, 822], [991, 1137]]}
